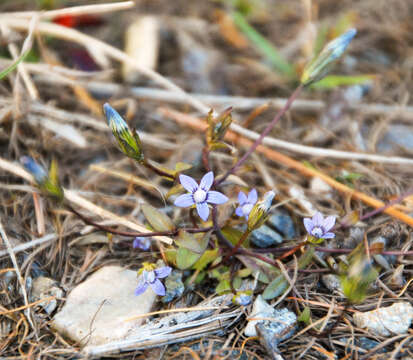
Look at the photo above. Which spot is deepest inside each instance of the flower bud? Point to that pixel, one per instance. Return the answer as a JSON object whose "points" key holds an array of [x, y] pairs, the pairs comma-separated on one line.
{"points": [[218, 127], [322, 63], [128, 141], [259, 212], [48, 183]]}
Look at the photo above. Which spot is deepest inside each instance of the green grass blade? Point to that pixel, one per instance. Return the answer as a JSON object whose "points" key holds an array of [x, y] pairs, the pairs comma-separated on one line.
{"points": [[13, 66], [264, 46]]}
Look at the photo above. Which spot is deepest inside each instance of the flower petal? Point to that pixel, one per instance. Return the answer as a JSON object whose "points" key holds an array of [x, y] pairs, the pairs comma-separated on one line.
{"points": [[188, 183], [329, 223], [203, 210], [184, 200], [158, 287], [238, 211], [242, 198], [206, 181], [163, 272], [142, 243], [141, 288], [252, 196], [329, 235], [308, 224], [317, 219], [215, 197]]}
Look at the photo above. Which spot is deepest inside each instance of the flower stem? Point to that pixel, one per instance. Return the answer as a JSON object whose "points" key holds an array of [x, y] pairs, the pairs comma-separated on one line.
{"points": [[266, 131], [156, 170]]}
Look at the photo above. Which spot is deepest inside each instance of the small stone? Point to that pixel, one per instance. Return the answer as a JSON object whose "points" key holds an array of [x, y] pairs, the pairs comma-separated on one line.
{"points": [[281, 325], [397, 136], [174, 286], [265, 236], [283, 224], [44, 287], [395, 319], [332, 283], [95, 311], [319, 186]]}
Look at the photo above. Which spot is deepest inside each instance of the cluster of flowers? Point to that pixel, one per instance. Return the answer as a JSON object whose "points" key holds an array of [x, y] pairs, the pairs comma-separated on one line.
{"points": [[201, 195]]}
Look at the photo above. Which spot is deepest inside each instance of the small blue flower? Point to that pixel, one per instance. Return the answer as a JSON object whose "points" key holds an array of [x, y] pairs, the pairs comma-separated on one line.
{"points": [[150, 277], [199, 195], [246, 203], [318, 227], [142, 243]]}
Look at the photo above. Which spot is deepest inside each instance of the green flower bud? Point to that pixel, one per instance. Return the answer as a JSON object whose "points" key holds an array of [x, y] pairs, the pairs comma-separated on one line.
{"points": [[48, 183], [259, 212], [128, 141], [322, 63]]}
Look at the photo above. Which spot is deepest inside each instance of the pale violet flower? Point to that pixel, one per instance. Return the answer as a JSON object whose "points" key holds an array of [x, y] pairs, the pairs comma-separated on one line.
{"points": [[246, 203], [199, 195], [142, 243], [149, 276], [318, 227]]}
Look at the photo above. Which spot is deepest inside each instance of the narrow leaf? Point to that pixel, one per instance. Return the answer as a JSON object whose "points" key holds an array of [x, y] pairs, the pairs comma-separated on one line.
{"points": [[264, 46], [158, 220], [14, 65]]}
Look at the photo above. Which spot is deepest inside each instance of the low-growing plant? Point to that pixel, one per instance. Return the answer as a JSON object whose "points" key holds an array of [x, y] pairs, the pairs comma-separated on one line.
{"points": [[211, 245]]}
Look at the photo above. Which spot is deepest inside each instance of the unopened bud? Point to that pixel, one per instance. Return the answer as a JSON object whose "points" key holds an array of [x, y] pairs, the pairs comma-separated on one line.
{"points": [[259, 212], [322, 63], [218, 127], [47, 182], [128, 141]]}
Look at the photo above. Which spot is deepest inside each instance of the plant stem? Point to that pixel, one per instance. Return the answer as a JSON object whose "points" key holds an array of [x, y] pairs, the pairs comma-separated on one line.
{"points": [[108, 229], [266, 131], [156, 170], [389, 204]]}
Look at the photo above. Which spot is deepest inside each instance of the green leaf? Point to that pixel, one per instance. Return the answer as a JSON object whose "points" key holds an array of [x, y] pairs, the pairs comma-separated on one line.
{"points": [[207, 257], [305, 316], [186, 258], [158, 220], [181, 166], [170, 255], [190, 249], [265, 47], [223, 286], [333, 81], [275, 288], [233, 235], [176, 189], [14, 65], [356, 277], [196, 243]]}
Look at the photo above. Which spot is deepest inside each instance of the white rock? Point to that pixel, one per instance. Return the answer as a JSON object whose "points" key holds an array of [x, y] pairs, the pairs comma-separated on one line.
{"points": [[319, 186], [395, 319], [266, 313], [96, 310]]}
